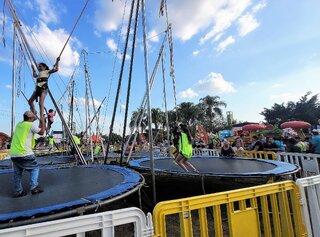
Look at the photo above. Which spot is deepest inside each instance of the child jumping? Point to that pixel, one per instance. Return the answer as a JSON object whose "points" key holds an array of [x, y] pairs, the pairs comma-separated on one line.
{"points": [[51, 114], [185, 150], [42, 84]]}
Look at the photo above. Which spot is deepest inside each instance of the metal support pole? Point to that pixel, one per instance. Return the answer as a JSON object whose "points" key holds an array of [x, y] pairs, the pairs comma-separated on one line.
{"points": [[13, 78], [148, 101]]}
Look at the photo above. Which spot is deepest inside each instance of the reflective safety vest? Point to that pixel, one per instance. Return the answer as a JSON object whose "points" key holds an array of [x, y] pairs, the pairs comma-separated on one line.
{"points": [[97, 150], [20, 137], [185, 148], [76, 140], [51, 141]]}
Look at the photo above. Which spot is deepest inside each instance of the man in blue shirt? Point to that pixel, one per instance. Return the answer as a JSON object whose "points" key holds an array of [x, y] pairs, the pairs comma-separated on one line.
{"points": [[315, 141]]}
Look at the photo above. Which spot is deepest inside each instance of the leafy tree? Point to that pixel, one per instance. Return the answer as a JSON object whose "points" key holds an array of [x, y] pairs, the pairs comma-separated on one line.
{"points": [[211, 105], [115, 138], [279, 113], [187, 112], [306, 109], [136, 117], [207, 112], [157, 117]]}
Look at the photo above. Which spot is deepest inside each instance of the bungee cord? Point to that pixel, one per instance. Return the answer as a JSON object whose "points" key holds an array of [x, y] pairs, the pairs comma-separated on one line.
{"points": [[114, 64], [120, 80], [74, 27], [129, 81]]}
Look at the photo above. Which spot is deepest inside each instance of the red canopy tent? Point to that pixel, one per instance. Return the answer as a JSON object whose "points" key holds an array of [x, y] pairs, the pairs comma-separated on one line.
{"points": [[295, 124], [253, 127]]}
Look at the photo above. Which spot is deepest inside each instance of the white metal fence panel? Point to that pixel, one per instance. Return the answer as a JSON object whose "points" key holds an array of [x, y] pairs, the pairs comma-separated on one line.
{"points": [[105, 221], [310, 201], [308, 162], [206, 152]]}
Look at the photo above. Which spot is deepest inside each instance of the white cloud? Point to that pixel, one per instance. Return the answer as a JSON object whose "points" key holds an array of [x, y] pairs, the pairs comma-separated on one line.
{"points": [[52, 42], [8, 86], [108, 16], [224, 44], [211, 19], [191, 17], [188, 93], [195, 53], [217, 38], [153, 36], [259, 6], [111, 45], [48, 11], [285, 97], [223, 16], [246, 24], [215, 83], [187, 19], [81, 101]]}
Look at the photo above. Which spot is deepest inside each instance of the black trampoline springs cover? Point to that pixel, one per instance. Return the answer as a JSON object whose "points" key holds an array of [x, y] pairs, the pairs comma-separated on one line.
{"points": [[65, 187]]}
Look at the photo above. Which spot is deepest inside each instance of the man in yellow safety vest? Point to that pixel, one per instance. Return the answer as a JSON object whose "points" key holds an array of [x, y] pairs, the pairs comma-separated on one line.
{"points": [[22, 155]]}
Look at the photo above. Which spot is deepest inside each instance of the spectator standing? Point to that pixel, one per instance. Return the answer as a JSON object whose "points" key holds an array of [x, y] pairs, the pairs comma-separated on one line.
{"points": [[315, 141]]}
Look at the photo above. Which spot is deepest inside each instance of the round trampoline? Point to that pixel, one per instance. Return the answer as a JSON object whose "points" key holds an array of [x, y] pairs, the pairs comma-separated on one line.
{"points": [[219, 166], [65, 189]]}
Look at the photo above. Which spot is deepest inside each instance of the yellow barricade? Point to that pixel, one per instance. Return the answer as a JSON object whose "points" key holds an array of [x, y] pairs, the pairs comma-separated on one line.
{"points": [[267, 210], [267, 155], [3, 155]]}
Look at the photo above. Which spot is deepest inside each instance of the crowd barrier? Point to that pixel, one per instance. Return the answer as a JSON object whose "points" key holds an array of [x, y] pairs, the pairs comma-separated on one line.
{"points": [[267, 155], [310, 202], [266, 210], [4, 155], [277, 209], [206, 152], [308, 162], [105, 222]]}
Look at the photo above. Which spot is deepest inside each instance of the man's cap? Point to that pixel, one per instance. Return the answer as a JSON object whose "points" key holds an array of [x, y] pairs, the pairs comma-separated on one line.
{"points": [[29, 114]]}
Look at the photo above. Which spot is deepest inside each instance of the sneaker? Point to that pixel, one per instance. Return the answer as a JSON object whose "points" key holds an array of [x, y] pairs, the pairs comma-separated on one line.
{"points": [[36, 190], [21, 194]]}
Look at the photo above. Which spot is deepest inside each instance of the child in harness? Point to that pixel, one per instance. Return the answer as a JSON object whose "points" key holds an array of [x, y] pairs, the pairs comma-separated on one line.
{"points": [[42, 84]]}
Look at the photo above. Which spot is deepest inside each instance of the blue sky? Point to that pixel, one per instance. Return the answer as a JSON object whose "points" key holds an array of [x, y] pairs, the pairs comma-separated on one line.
{"points": [[250, 53]]}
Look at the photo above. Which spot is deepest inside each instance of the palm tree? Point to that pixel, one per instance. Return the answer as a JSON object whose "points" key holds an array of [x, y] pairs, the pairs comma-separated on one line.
{"points": [[157, 118], [187, 112], [211, 106], [136, 117]]}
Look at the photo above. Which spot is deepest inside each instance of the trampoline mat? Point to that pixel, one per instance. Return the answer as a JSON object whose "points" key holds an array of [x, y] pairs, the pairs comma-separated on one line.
{"points": [[222, 166], [64, 187]]}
